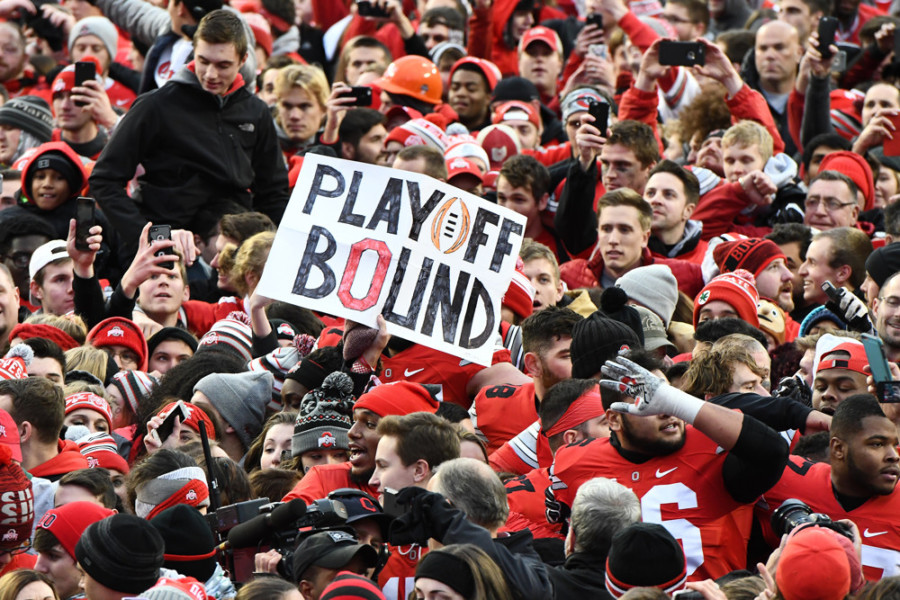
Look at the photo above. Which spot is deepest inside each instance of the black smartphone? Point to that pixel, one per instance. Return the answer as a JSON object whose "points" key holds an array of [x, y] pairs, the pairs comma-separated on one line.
{"points": [[84, 220], [831, 292], [84, 71], [896, 44], [681, 54], [827, 28], [362, 94], [168, 425], [594, 19], [366, 8], [162, 232], [600, 112], [390, 506]]}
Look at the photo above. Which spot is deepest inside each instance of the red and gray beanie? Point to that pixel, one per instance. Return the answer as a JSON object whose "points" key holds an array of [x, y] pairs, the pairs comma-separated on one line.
{"points": [[134, 386]]}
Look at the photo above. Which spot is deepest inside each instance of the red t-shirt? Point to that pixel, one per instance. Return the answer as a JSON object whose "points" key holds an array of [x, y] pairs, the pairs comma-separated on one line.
{"points": [[876, 518], [421, 364], [323, 479], [683, 491], [501, 412], [398, 577], [525, 495]]}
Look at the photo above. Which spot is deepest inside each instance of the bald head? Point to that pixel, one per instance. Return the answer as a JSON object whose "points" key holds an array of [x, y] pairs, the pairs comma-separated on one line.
{"points": [[778, 53]]}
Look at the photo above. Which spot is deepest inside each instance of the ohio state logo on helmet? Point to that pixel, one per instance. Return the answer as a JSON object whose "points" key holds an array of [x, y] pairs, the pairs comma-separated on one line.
{"points": [[327, 440]]}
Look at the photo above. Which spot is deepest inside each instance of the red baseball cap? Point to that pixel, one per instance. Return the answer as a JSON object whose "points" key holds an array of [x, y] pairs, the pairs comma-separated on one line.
{"points": [[541, 34], [463, 166], [515, 110]]}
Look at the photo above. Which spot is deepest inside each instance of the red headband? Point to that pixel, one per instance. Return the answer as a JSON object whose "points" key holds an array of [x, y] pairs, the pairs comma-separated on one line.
{"points": [[587, 406], [193, 493]]}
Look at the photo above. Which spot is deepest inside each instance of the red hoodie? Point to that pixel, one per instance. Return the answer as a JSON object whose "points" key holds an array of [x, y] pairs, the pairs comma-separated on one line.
{"points": [[68, 459]]}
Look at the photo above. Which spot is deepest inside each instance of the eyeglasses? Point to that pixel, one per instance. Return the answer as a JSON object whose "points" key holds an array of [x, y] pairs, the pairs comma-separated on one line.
{"points": [[830, 204], [17, 550], [20, 260]]}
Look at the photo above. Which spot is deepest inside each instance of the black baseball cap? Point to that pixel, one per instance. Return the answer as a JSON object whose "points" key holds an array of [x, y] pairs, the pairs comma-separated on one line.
{"points": [[361, 505], [331, 550]]}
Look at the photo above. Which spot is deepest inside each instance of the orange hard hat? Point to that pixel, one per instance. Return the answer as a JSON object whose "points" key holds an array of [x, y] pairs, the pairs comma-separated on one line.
{"points": [[413, 76]]}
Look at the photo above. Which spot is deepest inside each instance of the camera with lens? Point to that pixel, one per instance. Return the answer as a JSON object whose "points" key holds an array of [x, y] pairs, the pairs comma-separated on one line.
{"points": [[278, 526], [795, 513]]}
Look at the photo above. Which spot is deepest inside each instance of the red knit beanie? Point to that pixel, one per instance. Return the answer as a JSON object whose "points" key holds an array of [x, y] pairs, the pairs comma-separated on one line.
{"points": [[737, 289], [16, 502], [118, 331], [90, 401], [752, 254], [26, 331], [69, 521], [398, 398], [856, 168]]}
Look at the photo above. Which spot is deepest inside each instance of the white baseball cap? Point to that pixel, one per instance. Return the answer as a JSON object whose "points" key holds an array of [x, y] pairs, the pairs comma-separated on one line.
{"points": [[46, 254]]}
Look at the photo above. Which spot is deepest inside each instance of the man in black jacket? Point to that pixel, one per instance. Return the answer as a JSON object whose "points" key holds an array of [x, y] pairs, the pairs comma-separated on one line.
{"points": [[207, 146]]}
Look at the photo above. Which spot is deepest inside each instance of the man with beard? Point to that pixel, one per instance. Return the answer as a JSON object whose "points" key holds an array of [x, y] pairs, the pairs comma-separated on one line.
{"points": [[851, 16], [399, 398], [594, 341], [768, 263], [886, 308], [502, 411], [667, 447], [839, 372], [860, 484], [16, 74]]}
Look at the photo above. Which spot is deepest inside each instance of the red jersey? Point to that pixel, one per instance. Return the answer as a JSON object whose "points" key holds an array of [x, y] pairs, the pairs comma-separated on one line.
{"points": [[525, 495], [876, 518], [683, 491], [501, 412], [119, 95], [421, 364], [398, 577], [324, 479], [528, 450]]}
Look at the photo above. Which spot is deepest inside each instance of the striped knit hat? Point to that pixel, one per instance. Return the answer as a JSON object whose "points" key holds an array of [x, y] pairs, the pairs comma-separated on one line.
{"points": [[419, 132], [101, 451], [645, 555], [233, 334], [325, 416], [14, 364], [134, 386], [350, 586], [738, 289], [90, 401], [280, 361], [186, 485]]}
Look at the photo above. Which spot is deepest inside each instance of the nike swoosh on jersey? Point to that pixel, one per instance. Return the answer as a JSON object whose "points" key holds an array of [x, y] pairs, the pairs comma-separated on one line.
{"points": [[408, 373], [664, 473], [870, 534]]}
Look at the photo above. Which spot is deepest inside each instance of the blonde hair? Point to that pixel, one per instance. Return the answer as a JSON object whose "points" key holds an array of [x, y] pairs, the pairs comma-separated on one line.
{"points": [[87, 358], [250, 259], [309, 79], [77, 387], [748, 133], [71, 324]]}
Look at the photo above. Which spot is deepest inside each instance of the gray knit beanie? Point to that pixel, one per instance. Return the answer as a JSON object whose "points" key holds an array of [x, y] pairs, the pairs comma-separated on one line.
{"points": [[102, 27], [325, 416], [652, 286], [241, 399]]}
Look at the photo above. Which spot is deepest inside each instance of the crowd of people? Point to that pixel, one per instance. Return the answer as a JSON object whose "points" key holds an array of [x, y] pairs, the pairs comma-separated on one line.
{"points": [[694, 389]]}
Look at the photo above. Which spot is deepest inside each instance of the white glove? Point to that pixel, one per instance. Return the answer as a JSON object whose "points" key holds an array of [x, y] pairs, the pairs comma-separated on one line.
{"points": [[652, 395]]}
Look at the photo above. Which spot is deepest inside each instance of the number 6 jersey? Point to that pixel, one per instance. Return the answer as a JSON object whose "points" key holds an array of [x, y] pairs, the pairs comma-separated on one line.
{"points": [[684, 491]]}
